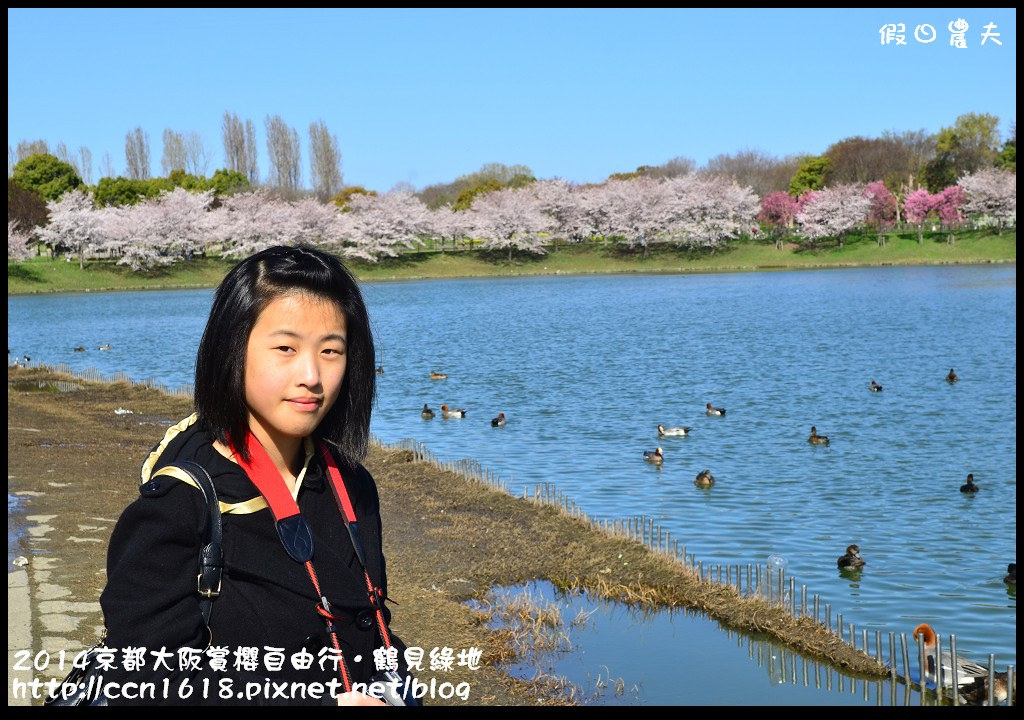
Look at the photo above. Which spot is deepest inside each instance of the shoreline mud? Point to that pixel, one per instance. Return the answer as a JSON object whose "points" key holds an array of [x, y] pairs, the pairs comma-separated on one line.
{"points": [[448, 538]]}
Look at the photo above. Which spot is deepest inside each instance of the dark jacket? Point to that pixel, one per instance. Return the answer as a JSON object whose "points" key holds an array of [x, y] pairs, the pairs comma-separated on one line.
{"points": [[267, 599]]}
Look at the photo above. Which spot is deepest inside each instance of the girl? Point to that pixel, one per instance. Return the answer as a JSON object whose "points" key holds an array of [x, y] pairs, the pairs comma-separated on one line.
{"points": [[283, 392]]}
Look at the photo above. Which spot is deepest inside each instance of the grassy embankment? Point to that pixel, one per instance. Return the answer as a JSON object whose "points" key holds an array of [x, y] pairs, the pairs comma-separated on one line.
{"points": [[40, 275]]}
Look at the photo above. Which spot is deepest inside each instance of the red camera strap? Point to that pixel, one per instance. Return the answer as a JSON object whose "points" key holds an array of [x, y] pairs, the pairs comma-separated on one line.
{"points": [[297, 538]]}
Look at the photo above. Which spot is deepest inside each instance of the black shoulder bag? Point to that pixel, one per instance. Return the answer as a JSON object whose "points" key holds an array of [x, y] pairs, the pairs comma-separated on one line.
{"points": [[82, 686]]}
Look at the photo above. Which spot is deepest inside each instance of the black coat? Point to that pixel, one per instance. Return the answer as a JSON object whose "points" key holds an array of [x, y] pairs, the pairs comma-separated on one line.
{"points": [[267, 599]]}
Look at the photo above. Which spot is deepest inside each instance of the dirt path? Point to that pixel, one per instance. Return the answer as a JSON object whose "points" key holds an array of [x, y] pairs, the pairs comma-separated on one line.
{"points": [[73, 460]]}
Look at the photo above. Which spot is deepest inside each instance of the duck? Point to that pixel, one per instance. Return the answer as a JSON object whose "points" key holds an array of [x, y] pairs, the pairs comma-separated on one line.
{"points": [[715, 410], [80, 348], [977, 690], [679, 431], [875, 387], [380, 370], [704, 479], [1011, 574], [104, 347], [951, 378], [426, 413], [498, 421], [970, 487], [966, 670], [447, 412], [816, 439], [437, 376], [26, 359], [654, 456], [851, 559]]}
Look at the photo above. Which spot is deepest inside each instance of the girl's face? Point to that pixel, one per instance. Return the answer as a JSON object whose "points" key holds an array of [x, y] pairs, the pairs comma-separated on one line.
{"points": [[294, 366]]}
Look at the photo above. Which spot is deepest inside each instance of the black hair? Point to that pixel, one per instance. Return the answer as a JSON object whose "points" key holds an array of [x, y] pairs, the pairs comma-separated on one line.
{"points": [[219, 393]]}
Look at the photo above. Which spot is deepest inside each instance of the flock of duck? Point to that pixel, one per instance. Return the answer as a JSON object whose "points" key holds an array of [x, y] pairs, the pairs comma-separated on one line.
{"points": [[971, 677], [447, 412]]}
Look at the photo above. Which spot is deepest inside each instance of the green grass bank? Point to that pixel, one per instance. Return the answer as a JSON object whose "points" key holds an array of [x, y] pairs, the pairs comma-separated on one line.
{"points": [[45, 275]]}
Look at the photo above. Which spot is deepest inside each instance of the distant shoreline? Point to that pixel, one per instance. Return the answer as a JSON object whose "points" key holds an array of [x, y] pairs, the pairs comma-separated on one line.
{"points": [[44, 275]]}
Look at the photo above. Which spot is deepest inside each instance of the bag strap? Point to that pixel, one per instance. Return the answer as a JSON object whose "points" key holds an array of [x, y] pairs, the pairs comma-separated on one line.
{"points": [[211, 553]]}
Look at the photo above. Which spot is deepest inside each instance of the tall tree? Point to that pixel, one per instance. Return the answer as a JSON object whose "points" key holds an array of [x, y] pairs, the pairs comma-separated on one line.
{"points": [[136, 154], [240, 152], [197, 159], [324, 161], [283, 150], [85, 164], [174, 152], [27, 148]]}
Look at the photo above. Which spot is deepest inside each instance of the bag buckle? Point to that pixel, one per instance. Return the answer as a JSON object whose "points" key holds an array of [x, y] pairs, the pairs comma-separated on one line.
{"points": [[205, 592]]}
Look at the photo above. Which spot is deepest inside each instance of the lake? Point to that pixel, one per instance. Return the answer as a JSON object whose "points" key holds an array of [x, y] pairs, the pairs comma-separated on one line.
{"points": [[586, 367]]}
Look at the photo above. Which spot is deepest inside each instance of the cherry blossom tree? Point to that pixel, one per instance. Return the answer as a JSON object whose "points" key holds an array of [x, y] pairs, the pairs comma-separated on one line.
{"points": [[445, 223], [992, 193], [159, 231], [834, 212], [512, 219], [916, 208], [705, 211], [884, 208], [562, 202], [247, 223], [314, 223], [378, 225], [74, 224], [948, 204], [17, 243], [638, 210], [778, 209]]}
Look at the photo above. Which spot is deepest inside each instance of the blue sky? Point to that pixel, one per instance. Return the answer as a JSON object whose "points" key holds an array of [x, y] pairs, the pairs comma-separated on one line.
{"points": [[423, 96]]}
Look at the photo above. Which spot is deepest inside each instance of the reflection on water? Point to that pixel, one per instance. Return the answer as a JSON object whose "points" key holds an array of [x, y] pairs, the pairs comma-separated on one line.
{"points": [[606, 653]]}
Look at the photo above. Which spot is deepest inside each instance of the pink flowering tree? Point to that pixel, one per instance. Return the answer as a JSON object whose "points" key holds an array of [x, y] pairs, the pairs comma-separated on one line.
{"points": [[991, 195], [511, 219], [916, 208], [378, 225], [314, 223], [833, 212], [707, 210], [637, 210], [247, 223], [445, 224], [17, 243], [563, 203], [949, 204], [884, 207], [74, 224], [778, 210]]}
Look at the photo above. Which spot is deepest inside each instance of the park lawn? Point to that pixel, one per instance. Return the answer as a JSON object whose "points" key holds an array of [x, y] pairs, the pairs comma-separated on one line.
{"points": [[43, 274]]}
